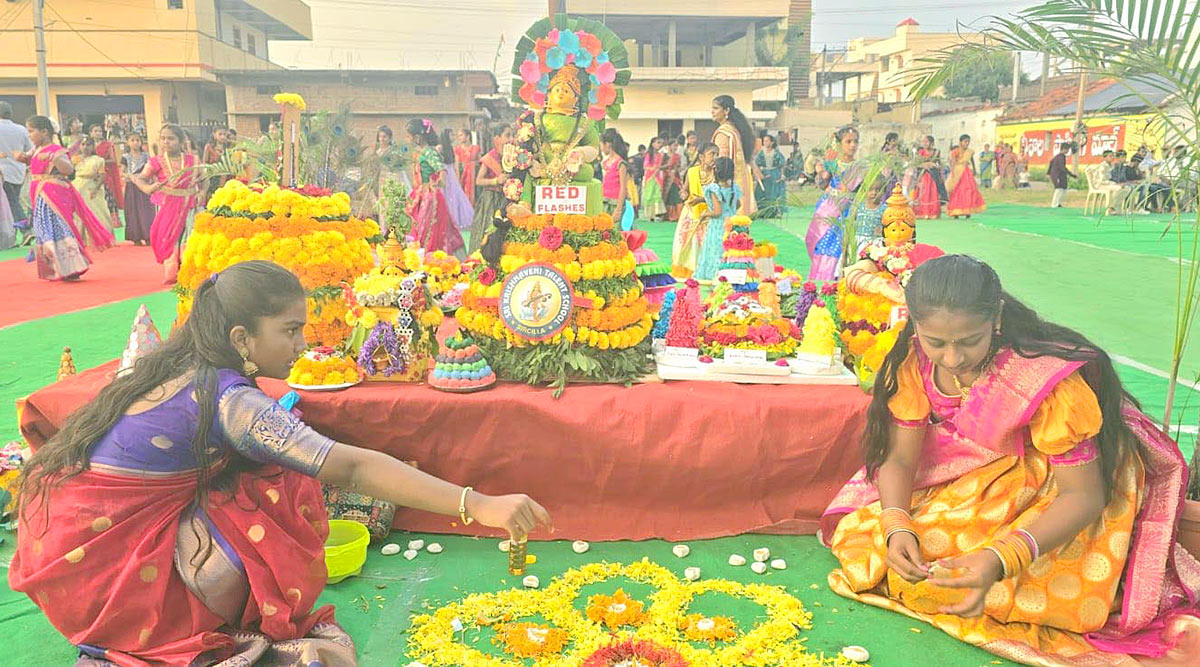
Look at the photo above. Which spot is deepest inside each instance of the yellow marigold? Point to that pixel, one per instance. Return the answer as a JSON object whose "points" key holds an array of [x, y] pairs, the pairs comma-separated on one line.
{"points": [[291, 100]]}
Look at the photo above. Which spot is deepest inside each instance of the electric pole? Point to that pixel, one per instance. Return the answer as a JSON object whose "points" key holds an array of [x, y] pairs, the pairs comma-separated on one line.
{"points": [[1045, 71], [1077, 131], [1016, 73], [39, 41]]}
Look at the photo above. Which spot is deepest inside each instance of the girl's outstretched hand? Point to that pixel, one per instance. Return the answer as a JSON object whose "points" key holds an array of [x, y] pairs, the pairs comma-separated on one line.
{"points": [[904, 556], [975, 572], [517, 513]]}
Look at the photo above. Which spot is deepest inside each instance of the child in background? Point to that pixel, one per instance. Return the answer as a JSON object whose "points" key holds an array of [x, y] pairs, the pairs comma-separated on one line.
{"points": [[689, 233], [722, 199], [869, 222]]}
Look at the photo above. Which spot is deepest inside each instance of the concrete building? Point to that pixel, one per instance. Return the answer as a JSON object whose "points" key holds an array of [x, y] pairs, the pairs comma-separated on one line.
{"points": [[451, 99], [143, 62], [1115, 120], [878, 68], [972, 117], [684, 53]]}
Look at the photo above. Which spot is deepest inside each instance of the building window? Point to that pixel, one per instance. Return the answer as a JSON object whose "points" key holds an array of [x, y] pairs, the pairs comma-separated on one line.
{"points": [[251, 46], [237, 37], [174, 4], [427, 91]]}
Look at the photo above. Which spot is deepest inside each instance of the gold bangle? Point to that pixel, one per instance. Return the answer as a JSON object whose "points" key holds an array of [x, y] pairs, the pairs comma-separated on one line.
{"points": [[462, 507]]}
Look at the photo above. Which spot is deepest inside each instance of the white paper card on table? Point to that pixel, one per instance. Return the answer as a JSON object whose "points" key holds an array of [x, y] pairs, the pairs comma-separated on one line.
{"points": [[549, 199], [899, 313], [680, 356], [733, 276], [739, 356]]}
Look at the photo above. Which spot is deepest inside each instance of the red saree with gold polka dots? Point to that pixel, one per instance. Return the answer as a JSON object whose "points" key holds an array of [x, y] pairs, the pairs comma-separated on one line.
{"points": [[1121, 593], [118, 533]]}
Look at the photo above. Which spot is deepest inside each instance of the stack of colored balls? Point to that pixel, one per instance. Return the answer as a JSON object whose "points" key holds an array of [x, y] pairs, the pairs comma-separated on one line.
{"points": [[461, 367]]}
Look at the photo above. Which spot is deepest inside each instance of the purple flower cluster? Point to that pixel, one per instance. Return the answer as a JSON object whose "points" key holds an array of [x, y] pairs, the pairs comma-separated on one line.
{"points": [[383, 334], [863, 325], [805, 304]]}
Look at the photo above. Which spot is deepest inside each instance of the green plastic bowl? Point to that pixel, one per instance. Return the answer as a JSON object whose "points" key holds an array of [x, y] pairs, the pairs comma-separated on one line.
{"points": [[345, 549]]}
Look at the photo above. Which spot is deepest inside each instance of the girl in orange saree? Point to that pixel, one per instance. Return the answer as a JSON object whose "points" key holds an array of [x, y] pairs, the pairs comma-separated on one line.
{"points": [[178, 518], [735, 140], [1014, 495]]}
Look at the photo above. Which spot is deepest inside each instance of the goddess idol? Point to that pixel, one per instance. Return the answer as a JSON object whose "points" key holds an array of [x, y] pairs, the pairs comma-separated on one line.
{"points": [[570, 80]]}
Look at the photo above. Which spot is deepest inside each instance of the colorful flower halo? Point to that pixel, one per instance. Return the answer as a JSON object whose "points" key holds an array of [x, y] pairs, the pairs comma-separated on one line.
{"points": [[590, 46]]}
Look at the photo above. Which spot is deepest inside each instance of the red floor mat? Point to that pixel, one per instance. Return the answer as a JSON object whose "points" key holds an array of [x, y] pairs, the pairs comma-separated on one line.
{"points": [[120, 273]]}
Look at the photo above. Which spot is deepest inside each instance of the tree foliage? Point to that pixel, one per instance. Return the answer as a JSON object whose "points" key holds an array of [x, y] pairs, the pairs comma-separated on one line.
{"points": [[983, 77]]}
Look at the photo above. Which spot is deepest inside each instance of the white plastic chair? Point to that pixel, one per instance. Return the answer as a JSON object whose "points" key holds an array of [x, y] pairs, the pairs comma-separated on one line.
{"points": [[1098, 191]]}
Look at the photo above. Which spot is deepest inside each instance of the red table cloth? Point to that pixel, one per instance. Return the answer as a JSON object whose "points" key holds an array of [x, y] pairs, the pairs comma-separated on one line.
{"points": [[676, 461]]}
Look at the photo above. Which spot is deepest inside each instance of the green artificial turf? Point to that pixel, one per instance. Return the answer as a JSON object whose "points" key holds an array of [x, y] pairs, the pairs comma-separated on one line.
{"points": [[375, 607]]}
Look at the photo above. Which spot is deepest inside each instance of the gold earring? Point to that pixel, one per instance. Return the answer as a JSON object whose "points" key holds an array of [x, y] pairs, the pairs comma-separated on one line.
{"points": [[249, 368]]}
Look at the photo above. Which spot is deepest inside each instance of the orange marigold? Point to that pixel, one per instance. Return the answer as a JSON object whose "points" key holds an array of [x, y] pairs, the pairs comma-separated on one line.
{"points": [[615, 610]]}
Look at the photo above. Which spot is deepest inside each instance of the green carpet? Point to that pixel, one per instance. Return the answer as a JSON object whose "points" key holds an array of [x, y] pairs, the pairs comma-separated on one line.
{"points": [[375, 607]]}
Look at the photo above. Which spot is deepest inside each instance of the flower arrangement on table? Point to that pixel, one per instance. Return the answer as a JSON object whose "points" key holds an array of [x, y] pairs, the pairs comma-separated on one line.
{"points": [[765, 249], [395, 322], [606, 335], [308, 231], [324, 366], [443, 272], [654, 273], [744, 323], [687, 313], [739, 252], [789, 296], [668, 634]]}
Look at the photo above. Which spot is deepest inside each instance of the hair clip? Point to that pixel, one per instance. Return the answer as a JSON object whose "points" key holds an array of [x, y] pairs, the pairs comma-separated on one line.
{"points": [[213, 278], [428, 124]]}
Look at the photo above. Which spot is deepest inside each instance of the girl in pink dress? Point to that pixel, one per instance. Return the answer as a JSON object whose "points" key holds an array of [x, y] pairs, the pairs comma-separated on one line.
{"points": [[59, 250], [171, 181], [437, 203]]}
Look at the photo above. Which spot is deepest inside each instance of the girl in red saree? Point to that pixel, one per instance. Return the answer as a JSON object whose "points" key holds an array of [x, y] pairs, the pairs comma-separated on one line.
{"points": [[178, 518], [466, 163], [173, 185], [114, 190], [489, 186], [928, 192], [59, 251], [1014, 495]]}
